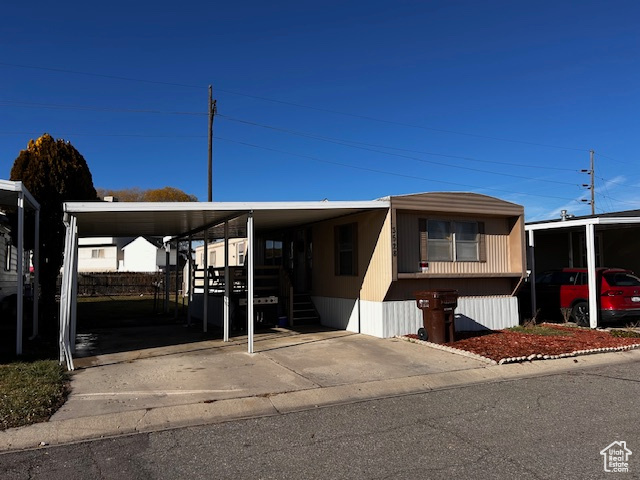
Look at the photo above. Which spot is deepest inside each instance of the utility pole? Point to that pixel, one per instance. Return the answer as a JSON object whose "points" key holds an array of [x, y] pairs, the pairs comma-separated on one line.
{"points": [[591, 185], [212, 111]]}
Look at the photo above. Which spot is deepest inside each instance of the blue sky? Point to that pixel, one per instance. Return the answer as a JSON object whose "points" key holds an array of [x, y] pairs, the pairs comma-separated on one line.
{"points": [[338, 100]]}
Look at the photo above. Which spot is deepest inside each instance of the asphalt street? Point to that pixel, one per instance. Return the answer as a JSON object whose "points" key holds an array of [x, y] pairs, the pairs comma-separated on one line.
{"points": [[548, 427]]}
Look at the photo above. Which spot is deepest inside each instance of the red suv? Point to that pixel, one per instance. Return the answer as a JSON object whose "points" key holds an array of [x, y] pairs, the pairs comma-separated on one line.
{"points": [[618, 293]]}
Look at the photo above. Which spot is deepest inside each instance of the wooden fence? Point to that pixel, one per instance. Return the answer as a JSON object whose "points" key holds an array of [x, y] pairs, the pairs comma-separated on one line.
{"points": [[125, 283]]}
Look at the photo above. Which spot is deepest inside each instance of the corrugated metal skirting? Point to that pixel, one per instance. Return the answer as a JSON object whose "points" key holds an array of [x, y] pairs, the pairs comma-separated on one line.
{"points": [[387, 319]]}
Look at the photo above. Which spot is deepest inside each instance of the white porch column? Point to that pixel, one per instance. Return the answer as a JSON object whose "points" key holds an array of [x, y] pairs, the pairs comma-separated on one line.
{"points": [[73, 295], [36, 274], [65, 294], [594, 311], [20, 272], [250, 280], [227, 284], [189, 281], [532, 275], [175, 313], [167, 274], [205, 287]]}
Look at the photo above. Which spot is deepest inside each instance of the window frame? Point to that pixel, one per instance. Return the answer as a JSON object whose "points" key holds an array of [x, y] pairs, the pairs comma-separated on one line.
{"points": [[452, 241], [346, 250], [8, 252]]}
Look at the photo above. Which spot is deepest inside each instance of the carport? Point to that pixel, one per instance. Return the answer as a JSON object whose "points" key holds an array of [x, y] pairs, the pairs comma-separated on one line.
{"points": [[185, 222], [590, 226], [16, 198]]}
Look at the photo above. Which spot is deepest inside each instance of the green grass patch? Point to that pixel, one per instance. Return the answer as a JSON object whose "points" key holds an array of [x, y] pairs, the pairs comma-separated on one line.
{"points": [[539, 330], [624, 334], [30, 392], [122, 310]]}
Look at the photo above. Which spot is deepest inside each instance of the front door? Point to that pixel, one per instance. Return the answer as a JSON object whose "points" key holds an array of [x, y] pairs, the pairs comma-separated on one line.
{"points": [[302, 254]]}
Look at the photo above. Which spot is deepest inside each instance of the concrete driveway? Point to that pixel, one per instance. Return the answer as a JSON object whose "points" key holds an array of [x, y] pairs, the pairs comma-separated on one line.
{"points": [[209, 370]]}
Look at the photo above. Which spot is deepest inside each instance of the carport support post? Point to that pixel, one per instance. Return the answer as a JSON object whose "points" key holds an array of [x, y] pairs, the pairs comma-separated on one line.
{"points": [[189, 282], [73, 294], [20, 272], [594, 312], [532, 275], [167, 275], [175, 313], [205, 286], [36, 274], [250, 280], [227, 286]]}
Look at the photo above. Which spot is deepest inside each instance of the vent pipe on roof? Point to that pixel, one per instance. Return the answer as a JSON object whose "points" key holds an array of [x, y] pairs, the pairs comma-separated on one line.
{"points": [[565, 216]]}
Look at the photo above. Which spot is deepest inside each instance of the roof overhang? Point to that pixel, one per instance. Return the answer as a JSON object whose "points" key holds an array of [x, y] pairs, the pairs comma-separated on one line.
{"points": [[10, 191], [179, 219], [567, 224]]}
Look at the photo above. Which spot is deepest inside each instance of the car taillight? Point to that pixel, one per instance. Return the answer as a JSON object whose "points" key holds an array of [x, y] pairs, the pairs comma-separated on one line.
{"points": [[612, 293]]}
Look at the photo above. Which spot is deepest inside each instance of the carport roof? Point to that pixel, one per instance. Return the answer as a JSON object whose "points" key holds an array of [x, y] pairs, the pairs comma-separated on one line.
{"points": [[10, 191], [122, 219]]}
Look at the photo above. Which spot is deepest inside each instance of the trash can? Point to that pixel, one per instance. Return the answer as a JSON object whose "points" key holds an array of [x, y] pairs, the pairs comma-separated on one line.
{"points": [[438, 308]]}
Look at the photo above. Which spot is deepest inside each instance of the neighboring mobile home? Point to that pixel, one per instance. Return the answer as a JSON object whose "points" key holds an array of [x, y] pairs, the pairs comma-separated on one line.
{"points": [[122, 254]]}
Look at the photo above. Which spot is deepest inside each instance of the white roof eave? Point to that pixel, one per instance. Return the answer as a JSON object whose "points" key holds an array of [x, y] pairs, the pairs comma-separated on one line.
{"points": [[583, 222]]}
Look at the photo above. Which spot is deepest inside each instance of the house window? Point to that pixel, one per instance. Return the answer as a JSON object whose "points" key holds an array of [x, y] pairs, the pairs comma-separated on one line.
{"points": [[97, 253], [439, 241], [7, 257], [452, 241], [241, 253], [346, 249], [466, 241], [212, 259], [273, 252]]}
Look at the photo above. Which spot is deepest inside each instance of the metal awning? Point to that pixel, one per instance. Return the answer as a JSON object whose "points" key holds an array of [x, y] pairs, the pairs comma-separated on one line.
{"points": [[121, 219], [185, 220], [14, 197], [588, 223]]}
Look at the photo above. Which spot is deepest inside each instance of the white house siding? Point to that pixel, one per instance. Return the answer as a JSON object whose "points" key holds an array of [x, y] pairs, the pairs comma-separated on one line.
{"points": [[161, 258], [140, 256], [387, 319], [108, 261], [8, 278]]}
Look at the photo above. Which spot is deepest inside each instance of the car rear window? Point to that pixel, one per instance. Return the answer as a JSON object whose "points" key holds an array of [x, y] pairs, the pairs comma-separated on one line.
{"points": [[622, 280]]}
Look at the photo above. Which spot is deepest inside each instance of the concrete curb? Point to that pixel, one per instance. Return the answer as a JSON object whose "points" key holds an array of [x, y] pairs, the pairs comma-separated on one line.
{"points": [[162, 418]]}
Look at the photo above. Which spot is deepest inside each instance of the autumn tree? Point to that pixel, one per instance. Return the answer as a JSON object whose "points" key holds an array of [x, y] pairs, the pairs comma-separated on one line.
{"points": [[135, 194], [54, 172]]}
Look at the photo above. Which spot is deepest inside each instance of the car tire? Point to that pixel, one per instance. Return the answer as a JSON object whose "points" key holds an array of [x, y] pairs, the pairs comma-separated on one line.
{"points": [[580, 314]]}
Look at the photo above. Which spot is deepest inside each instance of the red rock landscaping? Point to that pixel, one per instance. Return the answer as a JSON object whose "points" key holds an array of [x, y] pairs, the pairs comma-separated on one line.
{"points": [[506, 344]]}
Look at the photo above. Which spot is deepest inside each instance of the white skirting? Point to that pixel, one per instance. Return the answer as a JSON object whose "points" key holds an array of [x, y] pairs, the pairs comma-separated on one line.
{"points": [[387, 319]]}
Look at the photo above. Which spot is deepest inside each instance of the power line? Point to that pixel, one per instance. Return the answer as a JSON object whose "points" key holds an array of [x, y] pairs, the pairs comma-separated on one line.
{"points": [[113, 77], [355, 144], [614, 159], [298, 105], [402, 124], [132, 135], [384, 172], [13, 103]]}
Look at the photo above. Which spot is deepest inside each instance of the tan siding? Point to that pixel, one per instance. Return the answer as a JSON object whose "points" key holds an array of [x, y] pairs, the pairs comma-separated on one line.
{"points": [[517, 247], [374, 258], [378, 275], [408, 242], [405, 289], [498, 232], [457, 202]]}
